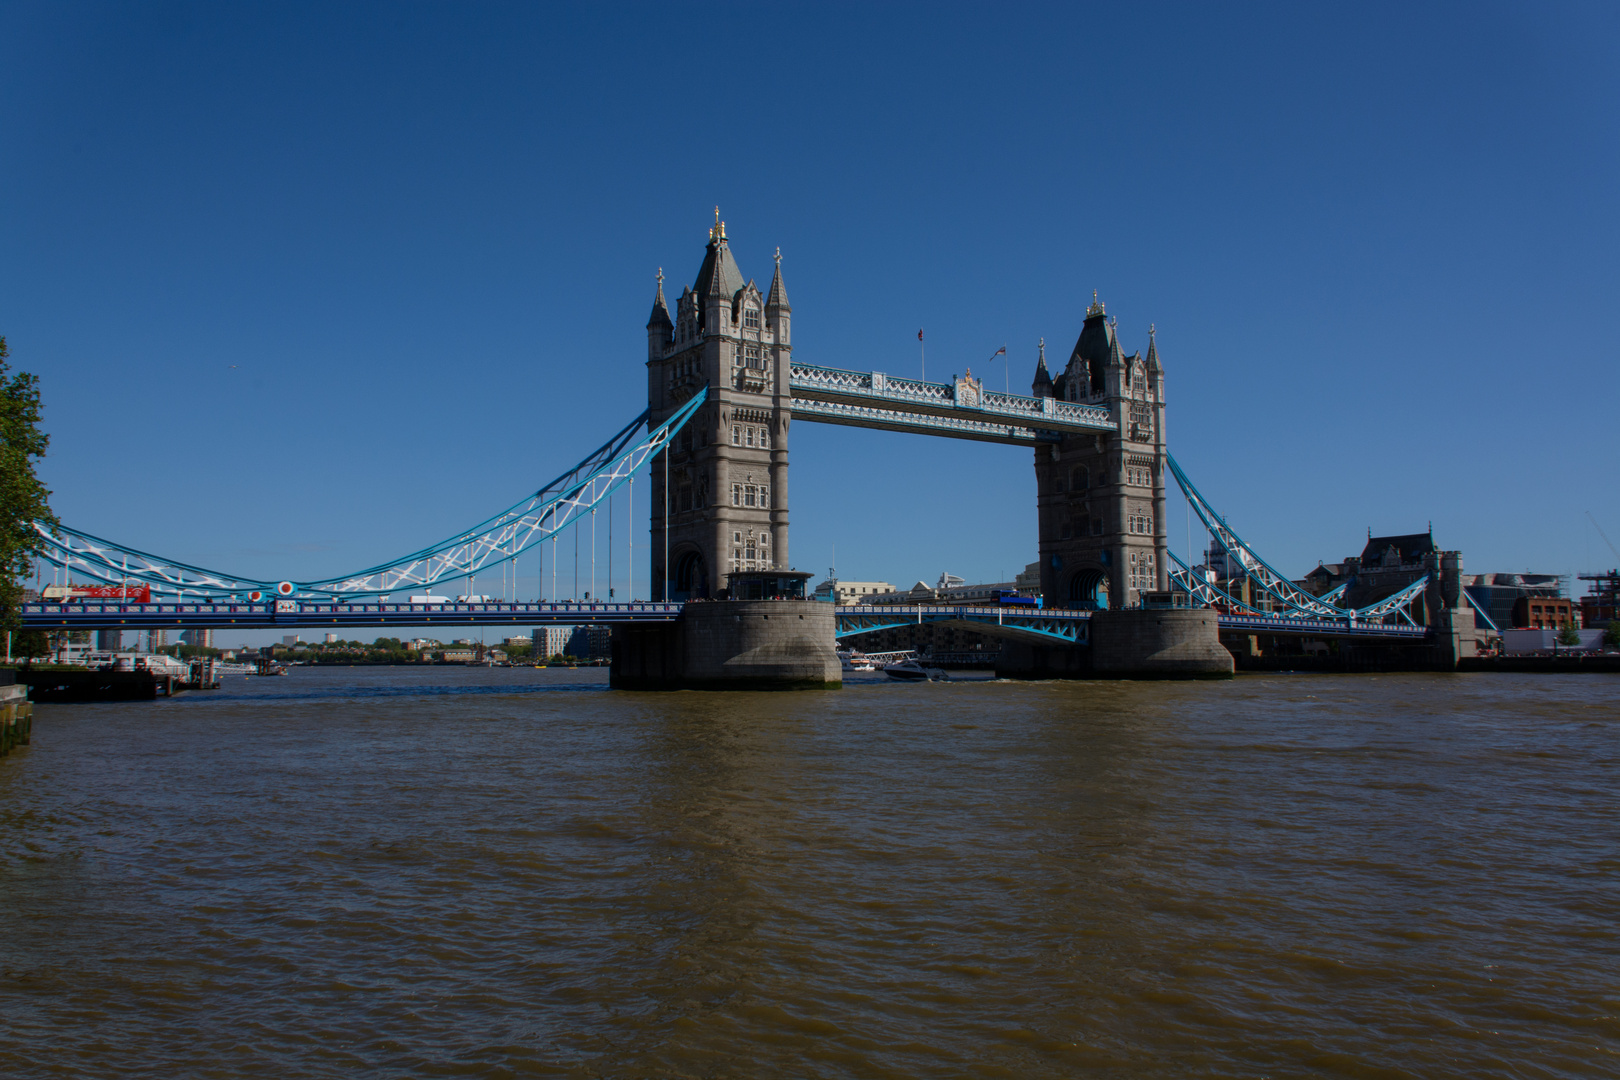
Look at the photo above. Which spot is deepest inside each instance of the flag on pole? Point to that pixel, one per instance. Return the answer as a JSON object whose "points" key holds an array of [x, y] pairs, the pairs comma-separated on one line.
{"points": [[919, 335]]}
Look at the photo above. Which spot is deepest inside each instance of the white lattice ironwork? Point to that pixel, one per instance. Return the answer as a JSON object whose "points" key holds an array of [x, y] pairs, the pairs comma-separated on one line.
{"points": [[560, 504], [965, 399]]}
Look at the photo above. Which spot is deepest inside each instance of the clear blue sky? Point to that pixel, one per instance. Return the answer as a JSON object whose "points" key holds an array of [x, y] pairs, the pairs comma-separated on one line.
{"points": [[312, 285]]}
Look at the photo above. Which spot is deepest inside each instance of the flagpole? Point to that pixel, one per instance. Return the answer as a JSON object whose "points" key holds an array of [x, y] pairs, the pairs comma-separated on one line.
{"points": [[922, 352]]}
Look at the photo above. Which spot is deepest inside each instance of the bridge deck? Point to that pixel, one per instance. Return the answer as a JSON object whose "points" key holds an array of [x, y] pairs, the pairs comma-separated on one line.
{"points": [[1057, 624]]}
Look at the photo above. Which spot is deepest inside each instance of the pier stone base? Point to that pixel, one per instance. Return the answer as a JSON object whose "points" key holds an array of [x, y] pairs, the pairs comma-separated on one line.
{"points": [[1147, 643], [1158, 643], [731, 645]]}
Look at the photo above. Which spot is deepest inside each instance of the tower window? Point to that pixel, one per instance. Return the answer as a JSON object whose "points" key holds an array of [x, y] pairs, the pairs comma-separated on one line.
{"points": [[764, 437], [752, 357], [748, 437], [751, 318], [736, 494], [736, 435]]}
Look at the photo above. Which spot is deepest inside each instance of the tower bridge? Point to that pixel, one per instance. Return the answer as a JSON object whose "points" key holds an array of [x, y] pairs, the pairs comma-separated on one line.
{"points": [[723, 390]]}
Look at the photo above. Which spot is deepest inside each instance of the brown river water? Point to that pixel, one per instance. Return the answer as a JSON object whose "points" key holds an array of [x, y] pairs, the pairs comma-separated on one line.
{"points": [[447, 872]]}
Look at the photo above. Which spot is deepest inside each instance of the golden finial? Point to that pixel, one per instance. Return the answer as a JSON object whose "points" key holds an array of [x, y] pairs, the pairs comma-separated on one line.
{"points": [[1096, 307]]}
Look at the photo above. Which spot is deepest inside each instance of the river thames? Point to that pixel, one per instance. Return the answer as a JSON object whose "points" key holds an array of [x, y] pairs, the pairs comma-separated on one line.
{"points": [[466, 872]]}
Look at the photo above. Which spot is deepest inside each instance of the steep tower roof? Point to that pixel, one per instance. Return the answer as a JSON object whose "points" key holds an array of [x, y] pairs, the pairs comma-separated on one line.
{"points": [[1042, 386], [1096, 348], [1096, 344], [660, 310], [1153, 349], [718, 276], [778, 298]]}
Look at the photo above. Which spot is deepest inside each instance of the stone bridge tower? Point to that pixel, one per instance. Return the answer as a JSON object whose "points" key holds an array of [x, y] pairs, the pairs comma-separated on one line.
{"points": [[728, 468], [1101, 497]]}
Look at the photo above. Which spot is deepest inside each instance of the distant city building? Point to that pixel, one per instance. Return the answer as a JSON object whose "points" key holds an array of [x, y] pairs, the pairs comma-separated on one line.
{"points": [[514, 641], [457, 656], [1328, 576], [109, 640], [591, 642], [850, 592], [200, 639], [1602, 603], [950, 589], [1543, 612], [156, 639], [551, 640], [1499, 596], [331, 639], [290, 640]]}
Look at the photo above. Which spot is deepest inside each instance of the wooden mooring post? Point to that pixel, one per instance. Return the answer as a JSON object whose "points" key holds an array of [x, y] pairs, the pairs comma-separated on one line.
{"points": [[16, 717]]}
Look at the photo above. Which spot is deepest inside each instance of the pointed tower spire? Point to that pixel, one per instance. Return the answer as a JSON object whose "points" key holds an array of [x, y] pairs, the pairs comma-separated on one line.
{"points": [[1042, 386], [1153, 348], [660, 309], [778, 299]]}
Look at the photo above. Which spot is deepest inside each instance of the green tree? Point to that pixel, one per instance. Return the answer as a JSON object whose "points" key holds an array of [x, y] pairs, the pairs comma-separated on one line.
{"points": [[1611, 636], [30, 643], [23, 499], [1569, 635]]}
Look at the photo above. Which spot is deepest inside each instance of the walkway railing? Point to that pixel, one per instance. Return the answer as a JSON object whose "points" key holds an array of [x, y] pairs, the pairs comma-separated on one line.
{"points": [[903, 402]]}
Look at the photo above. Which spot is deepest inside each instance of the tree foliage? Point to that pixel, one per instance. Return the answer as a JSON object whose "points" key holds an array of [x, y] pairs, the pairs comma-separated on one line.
{"points": [[23, 499]]}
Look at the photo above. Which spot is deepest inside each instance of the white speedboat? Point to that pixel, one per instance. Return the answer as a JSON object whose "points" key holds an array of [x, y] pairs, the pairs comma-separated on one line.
{"points": [[855, 661]]}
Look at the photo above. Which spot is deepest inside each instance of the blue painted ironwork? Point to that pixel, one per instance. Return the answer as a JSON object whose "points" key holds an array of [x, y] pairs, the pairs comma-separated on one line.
{"points": [[1481, 612], [1050, 627], [1068, 627], [113, 614], [1301, 626], [560, 504], [1295, 601]]}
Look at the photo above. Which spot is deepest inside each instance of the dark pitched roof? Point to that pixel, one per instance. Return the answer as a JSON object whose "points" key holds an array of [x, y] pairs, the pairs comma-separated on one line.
{"points": [[1042, 386], [660, 310], [1412, 547], [718, 276], [778, 298]]}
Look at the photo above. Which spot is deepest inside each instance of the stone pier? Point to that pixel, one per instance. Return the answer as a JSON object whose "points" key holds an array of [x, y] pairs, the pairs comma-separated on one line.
{"points": [[1140, 643], [731, 645]]}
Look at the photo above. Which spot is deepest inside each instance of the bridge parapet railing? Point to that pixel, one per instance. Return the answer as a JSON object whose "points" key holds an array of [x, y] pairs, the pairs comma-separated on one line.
{"points": [[875, 385]]}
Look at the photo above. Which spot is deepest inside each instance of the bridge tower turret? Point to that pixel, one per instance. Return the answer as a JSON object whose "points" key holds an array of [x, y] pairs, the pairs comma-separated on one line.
{"points": [[1101, 497], [728, 491]]}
